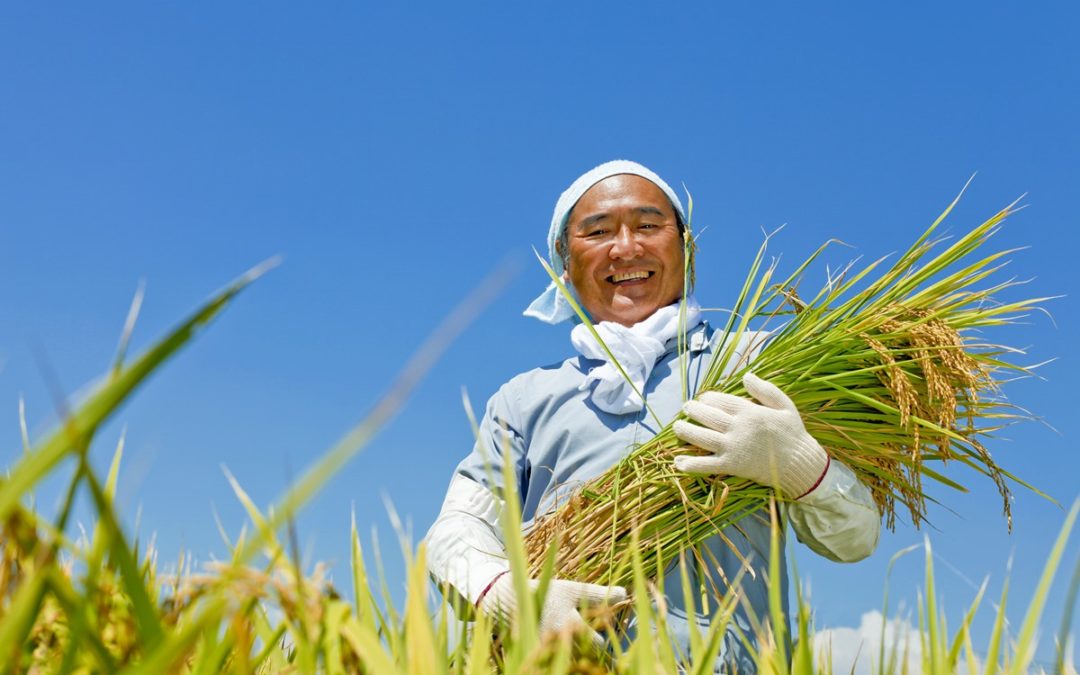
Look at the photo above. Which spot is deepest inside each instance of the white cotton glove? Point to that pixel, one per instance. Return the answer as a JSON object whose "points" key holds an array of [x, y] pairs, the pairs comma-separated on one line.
{"points": [[765, 443], [560, 610]]}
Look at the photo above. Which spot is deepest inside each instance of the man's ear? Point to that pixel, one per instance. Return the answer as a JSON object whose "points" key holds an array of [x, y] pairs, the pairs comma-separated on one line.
{"points": [[565, 258]]}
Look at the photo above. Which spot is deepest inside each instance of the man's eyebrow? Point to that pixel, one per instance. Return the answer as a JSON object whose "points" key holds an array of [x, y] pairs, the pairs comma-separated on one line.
{"points": [[597, 217], [650, 210], [590, 220]]}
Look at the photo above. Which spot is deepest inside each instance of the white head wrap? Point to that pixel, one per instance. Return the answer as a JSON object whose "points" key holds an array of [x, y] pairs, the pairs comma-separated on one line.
{"points": [[550, 306]]}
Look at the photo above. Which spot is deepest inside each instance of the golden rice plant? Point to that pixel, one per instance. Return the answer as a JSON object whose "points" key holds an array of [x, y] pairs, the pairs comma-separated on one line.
{"points": [[890, 368]]}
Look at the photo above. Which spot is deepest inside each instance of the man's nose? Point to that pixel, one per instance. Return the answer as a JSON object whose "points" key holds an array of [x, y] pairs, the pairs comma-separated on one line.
{"points": [[625, 244]]}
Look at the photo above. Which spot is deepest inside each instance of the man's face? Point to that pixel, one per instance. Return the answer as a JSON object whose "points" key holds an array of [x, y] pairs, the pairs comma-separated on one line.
{"points": [[625, 251]]}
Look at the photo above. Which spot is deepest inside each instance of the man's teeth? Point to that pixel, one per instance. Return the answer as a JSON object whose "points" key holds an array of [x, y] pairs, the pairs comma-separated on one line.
{"points": [[629, 276]]}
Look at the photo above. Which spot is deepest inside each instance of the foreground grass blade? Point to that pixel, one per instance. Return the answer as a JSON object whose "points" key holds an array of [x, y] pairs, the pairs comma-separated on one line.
{"points": [[425, 657], [1066, 619], [778, 621], [1025, 645], [387, 407], [19, 619], [147, 619]]}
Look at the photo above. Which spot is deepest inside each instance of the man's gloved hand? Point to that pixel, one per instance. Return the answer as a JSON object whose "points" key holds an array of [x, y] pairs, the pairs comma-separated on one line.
{"points": [[765, 443], [560, 610]]}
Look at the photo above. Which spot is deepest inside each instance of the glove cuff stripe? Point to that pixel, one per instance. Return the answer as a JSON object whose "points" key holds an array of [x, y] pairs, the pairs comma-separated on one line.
{"points": [[500, 576], [828, 461]]}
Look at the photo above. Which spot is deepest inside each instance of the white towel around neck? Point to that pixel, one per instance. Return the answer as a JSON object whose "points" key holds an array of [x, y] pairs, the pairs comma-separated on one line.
{"points": [[636, 348]]}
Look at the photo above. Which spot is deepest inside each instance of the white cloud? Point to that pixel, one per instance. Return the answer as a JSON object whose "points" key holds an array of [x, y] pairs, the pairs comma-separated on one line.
{"points": [[856, 650]]}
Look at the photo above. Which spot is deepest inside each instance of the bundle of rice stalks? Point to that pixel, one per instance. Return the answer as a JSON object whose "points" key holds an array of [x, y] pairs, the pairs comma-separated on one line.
{"points": [[891, 374]]}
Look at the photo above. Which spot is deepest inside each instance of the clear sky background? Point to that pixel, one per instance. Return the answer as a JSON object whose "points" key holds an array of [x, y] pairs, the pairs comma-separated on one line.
{"points": [[395, 154]]}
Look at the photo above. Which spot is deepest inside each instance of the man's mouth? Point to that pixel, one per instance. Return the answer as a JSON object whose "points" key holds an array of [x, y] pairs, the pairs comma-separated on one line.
{"points": [[629, 277]]}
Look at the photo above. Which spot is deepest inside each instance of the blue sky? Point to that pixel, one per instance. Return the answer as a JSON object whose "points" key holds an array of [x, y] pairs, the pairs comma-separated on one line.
{"points": [[395, 154]]}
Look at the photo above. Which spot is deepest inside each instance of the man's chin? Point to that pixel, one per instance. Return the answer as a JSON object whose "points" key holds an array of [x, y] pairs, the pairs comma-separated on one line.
{"points": [[632, 313]]}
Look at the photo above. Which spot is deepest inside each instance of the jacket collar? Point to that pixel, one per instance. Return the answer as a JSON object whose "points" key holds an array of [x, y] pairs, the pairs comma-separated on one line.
{"points": [[698, 339]]}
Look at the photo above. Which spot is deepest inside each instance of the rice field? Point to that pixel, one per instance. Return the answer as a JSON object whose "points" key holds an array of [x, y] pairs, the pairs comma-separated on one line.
{"points": [[99, 602]]}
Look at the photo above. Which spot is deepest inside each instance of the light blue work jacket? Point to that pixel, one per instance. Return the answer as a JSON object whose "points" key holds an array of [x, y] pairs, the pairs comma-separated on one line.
{"points": [[547, 426]]}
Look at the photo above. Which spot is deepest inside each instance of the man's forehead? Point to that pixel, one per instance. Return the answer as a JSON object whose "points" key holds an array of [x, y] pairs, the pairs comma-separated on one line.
{"points": [[623, 191]]}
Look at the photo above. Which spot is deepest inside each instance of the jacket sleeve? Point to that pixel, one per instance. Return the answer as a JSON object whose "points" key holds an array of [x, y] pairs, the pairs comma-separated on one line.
{"points": [[838, 518], [465, 548]]}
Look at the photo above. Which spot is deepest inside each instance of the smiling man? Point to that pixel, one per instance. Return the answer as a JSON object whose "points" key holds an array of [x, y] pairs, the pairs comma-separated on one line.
{"points": [[617, 237]]}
